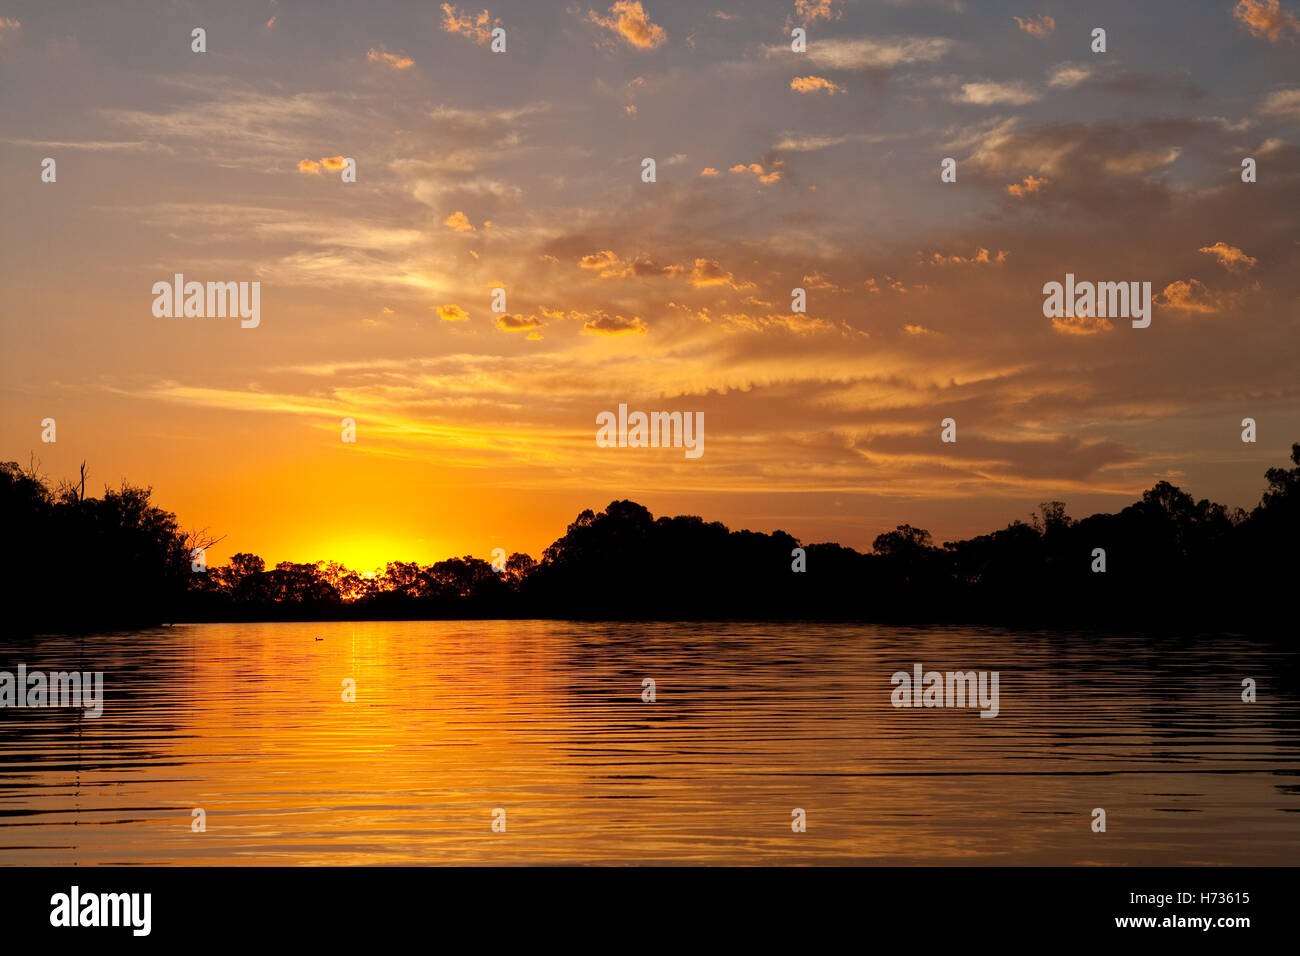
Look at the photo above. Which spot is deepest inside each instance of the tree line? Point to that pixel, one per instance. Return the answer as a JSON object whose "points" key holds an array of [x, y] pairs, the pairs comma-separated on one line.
{"points": [[77, 562]]}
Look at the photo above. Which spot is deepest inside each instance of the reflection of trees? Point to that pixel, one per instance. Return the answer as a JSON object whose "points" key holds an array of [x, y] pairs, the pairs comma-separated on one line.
{"points": [[117, 560]]}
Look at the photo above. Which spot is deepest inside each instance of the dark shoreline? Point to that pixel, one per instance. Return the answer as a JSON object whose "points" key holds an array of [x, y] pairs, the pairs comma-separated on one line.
{"points": [[1166, 563]]}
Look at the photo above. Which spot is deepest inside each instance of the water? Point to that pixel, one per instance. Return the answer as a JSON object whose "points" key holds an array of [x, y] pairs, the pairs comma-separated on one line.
{"points": [[545, 720]]}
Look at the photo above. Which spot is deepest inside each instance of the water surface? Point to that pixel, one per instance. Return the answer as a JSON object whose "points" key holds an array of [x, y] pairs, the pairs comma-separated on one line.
{"points": [[546, 721]]}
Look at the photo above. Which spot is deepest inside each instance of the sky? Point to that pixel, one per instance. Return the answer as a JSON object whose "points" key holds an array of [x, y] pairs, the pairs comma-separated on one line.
{"points": [[522, 170]]}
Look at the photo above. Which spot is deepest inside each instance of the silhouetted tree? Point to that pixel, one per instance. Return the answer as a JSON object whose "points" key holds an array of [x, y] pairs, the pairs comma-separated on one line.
{"points": [[74, 561]]}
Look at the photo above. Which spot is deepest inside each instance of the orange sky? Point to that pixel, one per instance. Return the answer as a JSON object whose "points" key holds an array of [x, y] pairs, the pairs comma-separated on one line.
{"points": [[523, 170]]}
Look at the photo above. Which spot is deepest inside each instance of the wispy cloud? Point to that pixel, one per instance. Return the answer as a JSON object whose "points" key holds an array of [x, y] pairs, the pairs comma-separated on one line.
{"points": [[990, 93], [1284, 104], [395, 61], [861, 53]]}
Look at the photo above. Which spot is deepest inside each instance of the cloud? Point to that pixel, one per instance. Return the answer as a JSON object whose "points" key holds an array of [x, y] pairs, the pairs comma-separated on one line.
{"points": [[459, 222], [1081, 325], [990, 93], [1138, 163], [607, 261], [610, 265], [242, 127], [1070, 75], [394, 60], [702, 273], [981, 257], [1284, 104], [270, 23], [707, 272], [806, 11], [811, 84], [1188, 295], [708, 171], [8, 26], [632, 23], [801, 325], [129, 145], [477, 28], [1031, 184], [765, 176], [452, 313], [917, 330], [333, 163], [815, 280], [865, 54], [602, 324], [1093, 165], [1230, 257], [1267, 19], [1039, 26], [803, 143], [518, 323]]}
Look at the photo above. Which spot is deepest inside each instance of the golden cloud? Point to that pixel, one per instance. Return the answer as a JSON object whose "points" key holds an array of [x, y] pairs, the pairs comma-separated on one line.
{"points": [[610, 265], [1039, 26], [815, 280], [1230, 257], [707, 272], [394, 60], [806, 11], [1188, 296], [452, 313], [766, 177], [797, 324], [708, 171], [1081, 325], [812, 84], [332, 162], [1031, 184], [981, 257], [459, 222], [309, 166], [632, 23], [607, 262], [1267, 19], [602, 324], [477, 28], [518, 323]]}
